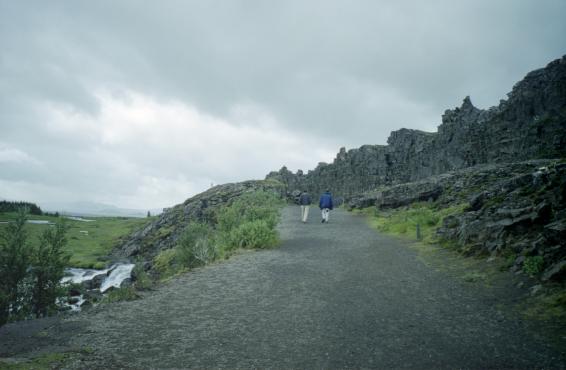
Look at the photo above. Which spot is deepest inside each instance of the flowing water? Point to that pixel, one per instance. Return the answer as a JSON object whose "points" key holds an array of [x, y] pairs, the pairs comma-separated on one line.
{"points": [[118, 274], [114, 276], [77, 275]]}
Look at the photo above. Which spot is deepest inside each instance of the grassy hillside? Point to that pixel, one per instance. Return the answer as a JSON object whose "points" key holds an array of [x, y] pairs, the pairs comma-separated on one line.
{"points": [[89, 242]]}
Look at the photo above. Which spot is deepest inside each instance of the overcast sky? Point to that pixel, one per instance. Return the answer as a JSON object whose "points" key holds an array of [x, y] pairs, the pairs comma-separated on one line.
{"points": [[142, 104]]}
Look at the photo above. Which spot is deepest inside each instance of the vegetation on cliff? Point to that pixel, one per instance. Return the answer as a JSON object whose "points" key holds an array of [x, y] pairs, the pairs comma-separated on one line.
{"points": [[246, 221]]}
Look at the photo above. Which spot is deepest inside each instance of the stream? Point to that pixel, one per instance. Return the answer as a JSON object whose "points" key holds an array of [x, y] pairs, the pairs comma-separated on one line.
{"points": [[112, 277]]}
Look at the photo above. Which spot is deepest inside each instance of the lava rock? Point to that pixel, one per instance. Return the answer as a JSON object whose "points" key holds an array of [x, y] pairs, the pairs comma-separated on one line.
{"points": [[556, 272]]}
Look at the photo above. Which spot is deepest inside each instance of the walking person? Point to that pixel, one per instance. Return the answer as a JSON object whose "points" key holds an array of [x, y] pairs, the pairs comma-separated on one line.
{"points": [[305, 202], [325, 204]]}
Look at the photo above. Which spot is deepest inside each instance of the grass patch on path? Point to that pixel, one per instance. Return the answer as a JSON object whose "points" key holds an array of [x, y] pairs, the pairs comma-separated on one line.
{"points": [[403, 221], [437, 254], [545, 310]]}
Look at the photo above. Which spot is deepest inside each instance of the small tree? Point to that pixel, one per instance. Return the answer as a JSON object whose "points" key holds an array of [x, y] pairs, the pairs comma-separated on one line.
{"points": [[48, 268], [14, 262], [148, 214]]}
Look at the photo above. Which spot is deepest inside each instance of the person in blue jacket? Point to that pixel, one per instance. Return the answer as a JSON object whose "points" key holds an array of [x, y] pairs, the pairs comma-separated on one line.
{"points": [[325, 204]]}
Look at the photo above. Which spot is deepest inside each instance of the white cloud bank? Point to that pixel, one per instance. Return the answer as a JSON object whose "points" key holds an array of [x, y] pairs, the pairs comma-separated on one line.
{"points": [[140, 152]]}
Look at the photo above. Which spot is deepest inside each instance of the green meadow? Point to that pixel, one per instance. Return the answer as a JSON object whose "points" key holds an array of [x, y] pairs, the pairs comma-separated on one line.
{"points": [[89, 243]]}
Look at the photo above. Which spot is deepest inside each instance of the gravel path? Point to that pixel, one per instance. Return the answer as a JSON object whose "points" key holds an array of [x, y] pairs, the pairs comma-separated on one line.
{"points": [[335, 295]]}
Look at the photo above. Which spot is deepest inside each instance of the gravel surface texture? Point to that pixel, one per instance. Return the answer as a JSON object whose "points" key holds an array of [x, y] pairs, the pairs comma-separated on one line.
{"points": [[336, 295]]}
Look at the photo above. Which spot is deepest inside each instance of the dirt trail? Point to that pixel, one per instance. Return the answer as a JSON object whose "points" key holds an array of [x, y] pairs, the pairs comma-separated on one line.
{"points": [[334, 295]]}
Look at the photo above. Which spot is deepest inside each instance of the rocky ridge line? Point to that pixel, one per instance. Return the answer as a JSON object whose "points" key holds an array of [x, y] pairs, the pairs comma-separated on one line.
{"points": [[530, 124]]}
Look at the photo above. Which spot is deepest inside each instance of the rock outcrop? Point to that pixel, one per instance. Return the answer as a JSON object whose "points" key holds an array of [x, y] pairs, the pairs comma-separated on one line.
{"points": [[530, 124], [512, 209], [521, 216]]}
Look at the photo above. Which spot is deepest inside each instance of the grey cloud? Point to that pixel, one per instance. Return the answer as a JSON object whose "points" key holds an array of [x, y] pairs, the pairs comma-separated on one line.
{"points": [[288, 56], [343, 72]]}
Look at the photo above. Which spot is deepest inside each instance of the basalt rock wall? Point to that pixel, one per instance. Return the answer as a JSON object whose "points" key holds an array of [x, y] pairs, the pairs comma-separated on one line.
{"points": [[530, 124]]}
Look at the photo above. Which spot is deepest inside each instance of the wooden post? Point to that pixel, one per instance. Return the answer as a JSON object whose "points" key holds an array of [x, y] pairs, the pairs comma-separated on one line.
{"points": [[418, 232]]}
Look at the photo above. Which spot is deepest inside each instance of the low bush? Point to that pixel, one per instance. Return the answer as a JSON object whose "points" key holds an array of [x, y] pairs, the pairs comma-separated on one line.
{"points": [[196, 247], [249, 221], [142, 279], [533, 265], [166, 263], [253, 234]]}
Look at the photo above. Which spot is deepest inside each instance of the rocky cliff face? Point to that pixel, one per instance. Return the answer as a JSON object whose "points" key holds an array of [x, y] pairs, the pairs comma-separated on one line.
{"points": [[530, 124], [521, 215]]}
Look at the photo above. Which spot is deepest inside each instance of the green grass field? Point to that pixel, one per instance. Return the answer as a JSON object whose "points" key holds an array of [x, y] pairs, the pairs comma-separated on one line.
{"points": [[89, 243]]}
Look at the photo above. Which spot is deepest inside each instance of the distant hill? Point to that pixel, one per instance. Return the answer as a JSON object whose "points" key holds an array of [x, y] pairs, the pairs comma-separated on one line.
{"points": [[95, 209]]}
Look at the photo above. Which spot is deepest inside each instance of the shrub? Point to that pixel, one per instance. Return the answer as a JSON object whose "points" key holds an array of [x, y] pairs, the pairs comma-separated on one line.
{"points": [[142, 279], [166, 264], [195, 247], [253, 234], [30, 276], [48, 268], [249, 221], [533, 265], [14, 263], [259, 205]]}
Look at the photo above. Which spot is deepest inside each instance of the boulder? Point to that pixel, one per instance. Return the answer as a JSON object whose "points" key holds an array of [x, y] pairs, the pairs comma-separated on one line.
{"points": [[85, 304], [557, 229], [93, 295], [126, 283], [405, 194], [556, 272], [477, 200], [363, 200], [95, 282]]}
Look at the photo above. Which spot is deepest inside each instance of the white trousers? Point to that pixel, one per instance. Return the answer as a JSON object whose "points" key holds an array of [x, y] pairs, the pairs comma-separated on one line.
{"points": [[325, 214], [304, 213]]}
